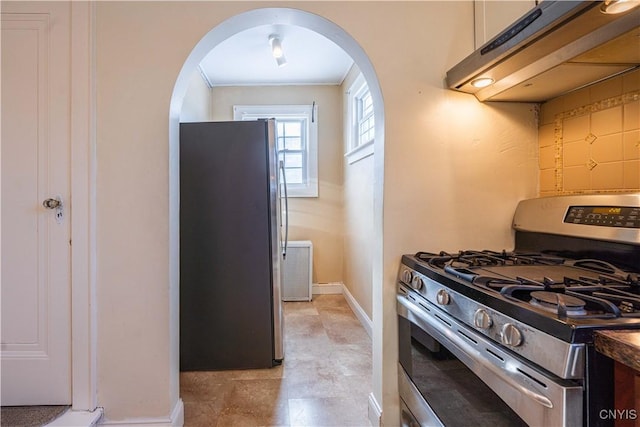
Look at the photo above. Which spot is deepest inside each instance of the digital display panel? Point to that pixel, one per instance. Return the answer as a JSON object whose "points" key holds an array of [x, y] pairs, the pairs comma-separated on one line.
{"points": [[604, 216], [607, 211]]}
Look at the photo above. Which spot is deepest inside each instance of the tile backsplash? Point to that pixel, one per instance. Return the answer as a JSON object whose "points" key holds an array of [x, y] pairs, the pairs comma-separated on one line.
{"points": [[590, 139]]}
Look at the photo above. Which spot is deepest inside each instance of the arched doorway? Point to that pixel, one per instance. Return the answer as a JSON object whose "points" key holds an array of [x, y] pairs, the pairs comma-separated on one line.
{"points": [[228, 28]]}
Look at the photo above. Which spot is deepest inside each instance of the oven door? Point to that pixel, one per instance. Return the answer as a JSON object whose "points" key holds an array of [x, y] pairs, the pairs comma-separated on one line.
{"points": [[451, 375]]}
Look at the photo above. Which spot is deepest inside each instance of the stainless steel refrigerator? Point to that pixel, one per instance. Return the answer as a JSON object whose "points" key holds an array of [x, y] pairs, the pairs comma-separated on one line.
{"points": [[231, 246]]}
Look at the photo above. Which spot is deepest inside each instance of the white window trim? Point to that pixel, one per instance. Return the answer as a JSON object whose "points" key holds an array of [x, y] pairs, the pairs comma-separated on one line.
{"points": [[356, 152], [360, 152], [253, 112]]}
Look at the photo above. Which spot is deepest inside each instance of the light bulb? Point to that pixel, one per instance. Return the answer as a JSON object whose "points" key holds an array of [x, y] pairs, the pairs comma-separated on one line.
{"points": [[482, 82], [612, 7], [276, 47]]}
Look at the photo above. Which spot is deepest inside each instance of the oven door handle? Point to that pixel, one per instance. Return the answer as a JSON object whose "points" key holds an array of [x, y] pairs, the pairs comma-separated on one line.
{"points": [[463, 350]]}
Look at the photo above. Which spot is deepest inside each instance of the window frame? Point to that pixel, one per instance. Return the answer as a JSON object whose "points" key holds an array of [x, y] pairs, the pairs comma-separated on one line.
{"points": [[355, 149], [306, 113], [302, 151]]}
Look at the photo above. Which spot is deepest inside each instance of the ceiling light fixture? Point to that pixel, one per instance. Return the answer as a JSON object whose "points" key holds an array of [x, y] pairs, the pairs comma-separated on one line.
{"points": [[482, 82], [276, 50], [612, 7]]}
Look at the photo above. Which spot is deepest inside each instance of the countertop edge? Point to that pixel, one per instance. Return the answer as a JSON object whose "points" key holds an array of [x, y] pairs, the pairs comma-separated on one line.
{"points": [[621, 346]]}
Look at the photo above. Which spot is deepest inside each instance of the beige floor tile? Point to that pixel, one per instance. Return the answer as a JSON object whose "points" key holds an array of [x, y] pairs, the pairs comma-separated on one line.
{"points": [[358, 385], [307, 349], [200, 387], [201, 414], [354, 359], [303, 325], [325, 378], [315, 379], [299, 308], [330, 300], [256, 402], [249, 420], [327, 412]]}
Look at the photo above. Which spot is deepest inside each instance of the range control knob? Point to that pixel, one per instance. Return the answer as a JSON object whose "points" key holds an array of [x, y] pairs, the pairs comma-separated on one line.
{"points": [[442, 297], [406, 276], [511, 335], [482, 319], [417, 283]]}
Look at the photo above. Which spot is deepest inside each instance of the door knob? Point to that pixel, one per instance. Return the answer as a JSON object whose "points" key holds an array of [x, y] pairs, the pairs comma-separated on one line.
{"points": [[52, 203], [55, 204]]}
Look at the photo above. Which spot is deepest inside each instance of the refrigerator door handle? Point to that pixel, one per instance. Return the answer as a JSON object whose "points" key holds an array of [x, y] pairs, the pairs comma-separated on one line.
{"points": [[286, 212]]}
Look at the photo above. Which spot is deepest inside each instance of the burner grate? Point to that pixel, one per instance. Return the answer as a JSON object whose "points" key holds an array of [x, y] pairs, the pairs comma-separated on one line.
{"points": [[472, 258], [607, 290]]}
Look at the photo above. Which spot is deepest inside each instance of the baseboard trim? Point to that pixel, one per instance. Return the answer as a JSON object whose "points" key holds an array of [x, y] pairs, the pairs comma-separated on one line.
{"points": [[175, 420], [177, 415], [73, 418], [374, 412], [367, 324], [326, 288]]}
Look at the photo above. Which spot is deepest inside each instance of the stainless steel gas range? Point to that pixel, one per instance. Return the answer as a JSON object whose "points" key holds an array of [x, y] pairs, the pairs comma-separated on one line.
{"points": [[506, 337]]}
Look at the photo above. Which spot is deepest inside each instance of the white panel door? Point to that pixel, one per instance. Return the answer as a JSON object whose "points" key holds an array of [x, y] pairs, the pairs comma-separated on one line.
{"points": [[35, 153]]}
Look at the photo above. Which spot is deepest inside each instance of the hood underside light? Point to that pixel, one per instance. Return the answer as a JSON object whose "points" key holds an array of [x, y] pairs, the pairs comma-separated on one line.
{"points": [[482, 82], [613, 7]]}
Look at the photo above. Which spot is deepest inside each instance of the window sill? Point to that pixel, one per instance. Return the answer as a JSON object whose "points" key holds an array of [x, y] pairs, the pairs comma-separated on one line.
{"points": [[360, 152], [295, 191]]}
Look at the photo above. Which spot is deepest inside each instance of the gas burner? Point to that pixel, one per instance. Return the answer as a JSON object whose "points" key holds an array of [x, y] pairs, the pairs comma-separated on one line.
{"points": [[473, 258], [588, 288], [611, 272], [558, 303]]}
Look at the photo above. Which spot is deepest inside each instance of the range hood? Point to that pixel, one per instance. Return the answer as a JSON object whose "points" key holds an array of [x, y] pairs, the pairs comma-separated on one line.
{"points": [[555, 48]]}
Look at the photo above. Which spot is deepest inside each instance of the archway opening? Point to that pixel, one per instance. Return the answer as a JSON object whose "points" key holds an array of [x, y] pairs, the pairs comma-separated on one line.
{"points": [[228, 28]]}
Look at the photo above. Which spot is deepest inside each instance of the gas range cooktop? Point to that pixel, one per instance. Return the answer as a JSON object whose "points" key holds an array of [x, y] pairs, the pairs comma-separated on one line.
{"points": [[575, 268], [568, 299], [524, 320], [586, 288]]}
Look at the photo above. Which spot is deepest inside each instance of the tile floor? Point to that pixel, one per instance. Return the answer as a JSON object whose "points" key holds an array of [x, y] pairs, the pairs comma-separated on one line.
{"points": [[325, 379]]}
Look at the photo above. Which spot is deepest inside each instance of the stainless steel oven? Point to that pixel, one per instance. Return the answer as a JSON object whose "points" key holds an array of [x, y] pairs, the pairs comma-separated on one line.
{"points": [[469, 380], [506, 338]]}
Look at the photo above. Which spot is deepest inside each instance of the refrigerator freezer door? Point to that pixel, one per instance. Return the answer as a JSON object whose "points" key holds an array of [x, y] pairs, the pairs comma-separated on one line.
{"points": [[229, 306], [277, 255]]}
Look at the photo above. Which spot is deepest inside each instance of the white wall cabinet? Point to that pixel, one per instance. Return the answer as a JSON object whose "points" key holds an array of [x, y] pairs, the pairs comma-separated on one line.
{"points": [[493, 16]]}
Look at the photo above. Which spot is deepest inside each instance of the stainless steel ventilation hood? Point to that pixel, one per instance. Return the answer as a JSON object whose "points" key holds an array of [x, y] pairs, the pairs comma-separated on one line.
{"points": [[555, 48]]}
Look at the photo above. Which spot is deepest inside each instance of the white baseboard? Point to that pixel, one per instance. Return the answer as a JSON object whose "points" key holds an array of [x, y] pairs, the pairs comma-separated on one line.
{"points": [[340, 288], [367, 324], [374, 411], [77, 419], [175, 420], [326, 288], [177, 415]]}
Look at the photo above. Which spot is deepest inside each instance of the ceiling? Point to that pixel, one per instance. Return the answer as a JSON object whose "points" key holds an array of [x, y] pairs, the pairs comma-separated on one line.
{"points": [[245, 59]]}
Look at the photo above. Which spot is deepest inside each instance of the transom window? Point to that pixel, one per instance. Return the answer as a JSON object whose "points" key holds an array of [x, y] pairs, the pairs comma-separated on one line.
{"points": [[296, 142]]}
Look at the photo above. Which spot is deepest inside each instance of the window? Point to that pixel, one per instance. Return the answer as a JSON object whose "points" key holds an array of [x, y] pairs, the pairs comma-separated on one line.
{"points": [[362, 122], [291, 143], [364, 114], [296, 142]]}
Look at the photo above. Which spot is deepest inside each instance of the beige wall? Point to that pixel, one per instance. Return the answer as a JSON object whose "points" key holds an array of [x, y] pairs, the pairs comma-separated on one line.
{"points": [[358, 217], [197, 102], [358, 238], [444, 155], [318, 219], [590, 139]]}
